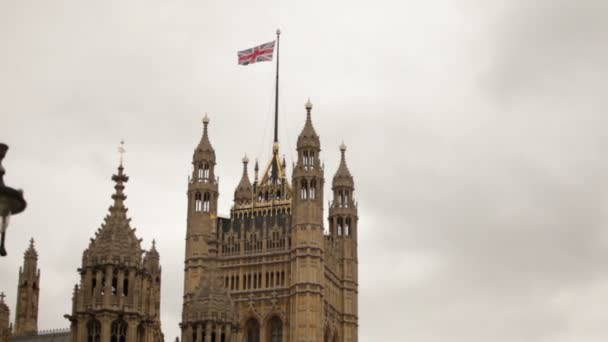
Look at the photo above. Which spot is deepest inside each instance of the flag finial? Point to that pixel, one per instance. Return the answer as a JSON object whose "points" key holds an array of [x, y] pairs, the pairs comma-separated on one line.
{"points": [[121, 150]]}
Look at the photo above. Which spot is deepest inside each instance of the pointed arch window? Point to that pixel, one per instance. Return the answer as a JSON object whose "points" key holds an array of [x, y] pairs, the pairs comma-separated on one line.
{"points": [[200, 171], [347, 226], [206, 202], [206, 172], [93, 331], [304, 189], [198, 204], [252, 331], [313, 189], [275, 329], [340, 198], [141, 333], [125, 285], [119, 331]]}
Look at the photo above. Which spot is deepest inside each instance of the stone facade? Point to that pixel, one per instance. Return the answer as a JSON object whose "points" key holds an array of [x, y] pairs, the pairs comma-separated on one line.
{"points": [[285, 277], [118, 298]]}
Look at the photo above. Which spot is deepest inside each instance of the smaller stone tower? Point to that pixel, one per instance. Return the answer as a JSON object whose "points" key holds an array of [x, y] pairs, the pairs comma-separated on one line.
{"points": [[118, 298], [26, 314], [5, 329], [202, 212], [343, 233], [307, 267]]}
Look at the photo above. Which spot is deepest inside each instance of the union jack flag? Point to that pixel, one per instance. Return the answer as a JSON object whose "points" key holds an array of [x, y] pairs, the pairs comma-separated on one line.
{"points": [[261, 53]]}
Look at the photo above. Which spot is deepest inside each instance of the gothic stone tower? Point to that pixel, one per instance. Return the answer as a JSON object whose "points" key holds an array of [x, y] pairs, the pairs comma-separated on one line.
{"points": [[26, 314], [118, 298], [287, 280], [5, 328]]}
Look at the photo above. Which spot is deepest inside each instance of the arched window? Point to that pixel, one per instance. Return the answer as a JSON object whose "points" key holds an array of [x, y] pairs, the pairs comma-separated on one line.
{"points": [[206, 172], [340, 198], [200, 171], [311, 160], [275, 330], [305, 157], [125, 285], [313, 188], [347, 226], [340, 226], [93, 284], [94, 331], [141, 333], [198, 204], [206, 202], [304, 189], [346, 199], [114, 285], [119, 331], [252, 331]]}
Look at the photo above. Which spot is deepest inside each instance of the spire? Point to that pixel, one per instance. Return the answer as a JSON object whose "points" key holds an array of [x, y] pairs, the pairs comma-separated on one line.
{"points": [[153, 251], [116, 238], [243, 190], [308, 137], [343, 176], [205, 145], [31, 251], [256, 168], [3, 305]]}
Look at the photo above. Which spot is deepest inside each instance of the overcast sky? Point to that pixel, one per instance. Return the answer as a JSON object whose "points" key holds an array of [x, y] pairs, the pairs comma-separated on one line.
{"points": [[476, 133]]}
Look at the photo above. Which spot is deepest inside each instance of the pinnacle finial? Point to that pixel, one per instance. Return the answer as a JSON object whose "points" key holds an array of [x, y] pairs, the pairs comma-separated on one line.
{"points": [[245, 159], [121, 150], [342, 147], [31, 242], [278, 32], [2, 295], [205, 119], [308, 105]]}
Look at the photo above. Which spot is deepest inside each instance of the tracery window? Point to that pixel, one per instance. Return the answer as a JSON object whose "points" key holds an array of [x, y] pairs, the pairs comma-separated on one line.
{"points": [[252, 331], [94, 331], [275, 330], [119, 331], [206, 202], [200, 171], [304, 189], [206, 172], [198, 204]]}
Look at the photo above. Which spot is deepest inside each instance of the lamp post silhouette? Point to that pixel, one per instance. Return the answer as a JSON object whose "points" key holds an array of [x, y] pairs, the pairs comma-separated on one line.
{"points": [[11, 202]]}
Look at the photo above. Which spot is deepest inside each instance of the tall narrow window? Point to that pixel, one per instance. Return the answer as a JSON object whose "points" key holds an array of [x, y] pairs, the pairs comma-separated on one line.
{"points": [[94, 331], [119, 331], [346, 199], [206, 172], [125, 285], [340, 226], [313, 188], [252, 331], [141, 333], [347, 226], [114, 285], [340, 198], [275, 329], [200, 171], [198, 204], [304, 190], [206, 202]]}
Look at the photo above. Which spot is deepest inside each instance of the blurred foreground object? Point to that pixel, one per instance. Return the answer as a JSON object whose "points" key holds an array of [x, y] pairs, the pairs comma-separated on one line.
{"points": [[11, 201]]}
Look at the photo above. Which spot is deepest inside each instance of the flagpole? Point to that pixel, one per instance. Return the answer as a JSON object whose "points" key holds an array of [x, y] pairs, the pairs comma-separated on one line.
{"points": [[276, 99]]}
